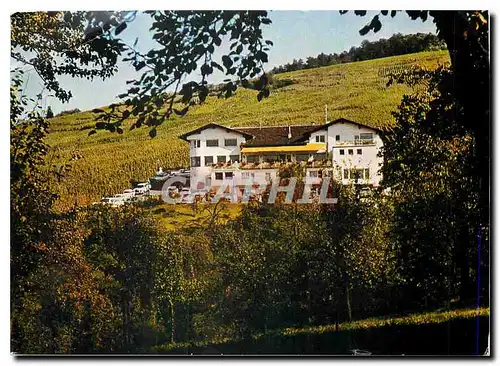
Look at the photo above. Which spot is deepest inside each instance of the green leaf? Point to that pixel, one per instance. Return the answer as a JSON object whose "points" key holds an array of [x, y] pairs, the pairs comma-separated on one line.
{"points": [[140, 65], [120, 28], [217, 66], [375, 24], [363, 31]]}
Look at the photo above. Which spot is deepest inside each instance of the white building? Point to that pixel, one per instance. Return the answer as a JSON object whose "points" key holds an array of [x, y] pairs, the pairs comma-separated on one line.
{"points": [[343, 149]]}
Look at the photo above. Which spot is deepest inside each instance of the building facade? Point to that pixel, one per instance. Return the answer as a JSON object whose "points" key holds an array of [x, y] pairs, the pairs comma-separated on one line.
{"points": [[345, 150]]}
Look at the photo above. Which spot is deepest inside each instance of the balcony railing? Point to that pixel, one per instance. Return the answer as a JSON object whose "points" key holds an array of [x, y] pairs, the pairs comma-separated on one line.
{"points": [[355, 142], [276, 165], [228, 166]]}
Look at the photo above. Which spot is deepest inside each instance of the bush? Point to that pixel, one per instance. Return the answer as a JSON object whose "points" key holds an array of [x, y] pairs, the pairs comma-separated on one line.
{"points": [[68, 112]]}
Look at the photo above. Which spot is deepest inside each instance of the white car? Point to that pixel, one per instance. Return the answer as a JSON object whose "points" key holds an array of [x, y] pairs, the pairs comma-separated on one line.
{"points": [[142, 188], [129, 192], [113, 201]]}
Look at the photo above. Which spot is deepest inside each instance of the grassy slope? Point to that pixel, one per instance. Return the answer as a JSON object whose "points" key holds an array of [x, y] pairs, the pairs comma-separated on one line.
{"points": [[183, 216], [354, 91], [412, 320]]}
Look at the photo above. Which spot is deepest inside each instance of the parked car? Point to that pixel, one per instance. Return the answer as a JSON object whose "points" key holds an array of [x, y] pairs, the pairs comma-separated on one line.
{"points": [[142, 188], [113, 201], [129, 192]]}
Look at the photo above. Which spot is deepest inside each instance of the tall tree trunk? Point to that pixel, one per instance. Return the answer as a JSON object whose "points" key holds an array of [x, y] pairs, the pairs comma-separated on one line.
{"points": [[348, 300], [172, 320]]}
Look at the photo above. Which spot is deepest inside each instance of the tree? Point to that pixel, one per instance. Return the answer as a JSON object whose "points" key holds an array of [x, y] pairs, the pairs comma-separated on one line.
{"points": [[467, 38], [51, 44], [428, 155], [78, 44], [49, 114]]}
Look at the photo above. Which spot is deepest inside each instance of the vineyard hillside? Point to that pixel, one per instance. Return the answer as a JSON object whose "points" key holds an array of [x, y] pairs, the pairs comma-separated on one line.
{"points": [[109, 162]]}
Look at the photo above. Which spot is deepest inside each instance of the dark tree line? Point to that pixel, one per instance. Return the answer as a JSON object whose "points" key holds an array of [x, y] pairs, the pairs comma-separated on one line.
{"points": [[398, 44]]}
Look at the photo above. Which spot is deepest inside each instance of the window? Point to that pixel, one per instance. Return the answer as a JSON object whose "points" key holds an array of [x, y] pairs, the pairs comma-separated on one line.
{"points": [[270, 158], [209, 160], [359, 151], [337, 137], [346, 173], [268, 177], [341, 152], [320, 138], [350, 151], [356, 173], [319, 156], [195, 143], [313, 173], [195, 161], [301, 157], [247, 175], [229, 175], [218, 176], [234, 158], [252, 158], [367, 173], [212, 143], [363, 138], [230, 142], [221, 159]]}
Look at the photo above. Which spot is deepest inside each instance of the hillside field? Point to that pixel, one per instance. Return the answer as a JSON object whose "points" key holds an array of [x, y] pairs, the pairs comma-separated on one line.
{"points": [[109, 162]]}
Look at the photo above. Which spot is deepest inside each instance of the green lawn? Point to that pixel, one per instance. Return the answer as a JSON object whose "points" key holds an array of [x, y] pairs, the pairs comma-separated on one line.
{"points": [[184, 216], [110, 162]]}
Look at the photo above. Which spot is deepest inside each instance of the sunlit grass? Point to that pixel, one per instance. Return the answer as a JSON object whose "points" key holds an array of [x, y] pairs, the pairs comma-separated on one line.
{"points": [[185, 216], [370, 323]]}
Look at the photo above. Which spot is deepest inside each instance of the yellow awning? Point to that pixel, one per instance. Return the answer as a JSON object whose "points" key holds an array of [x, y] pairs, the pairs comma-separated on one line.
{"points": [[313, 147]]}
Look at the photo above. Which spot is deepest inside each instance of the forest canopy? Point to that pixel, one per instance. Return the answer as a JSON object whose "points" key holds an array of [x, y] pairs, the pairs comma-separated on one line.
{"points": [[398, 44]]}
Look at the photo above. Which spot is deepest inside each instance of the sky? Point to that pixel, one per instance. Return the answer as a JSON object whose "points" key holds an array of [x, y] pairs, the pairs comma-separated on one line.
{"points": [[295, 34]]}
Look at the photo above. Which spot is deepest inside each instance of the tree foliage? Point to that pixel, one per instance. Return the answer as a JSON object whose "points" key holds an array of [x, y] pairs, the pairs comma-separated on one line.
{"points": [[467, 38], [429, 167], [398, 44], [78, 44], [187, 42]]}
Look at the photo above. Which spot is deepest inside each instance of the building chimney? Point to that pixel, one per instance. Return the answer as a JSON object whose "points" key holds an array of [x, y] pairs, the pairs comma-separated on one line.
{"points": [[289, 132]]}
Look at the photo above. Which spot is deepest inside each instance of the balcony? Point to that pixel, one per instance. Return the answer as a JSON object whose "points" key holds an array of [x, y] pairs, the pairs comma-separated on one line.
{"points": [[363, 142]]}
